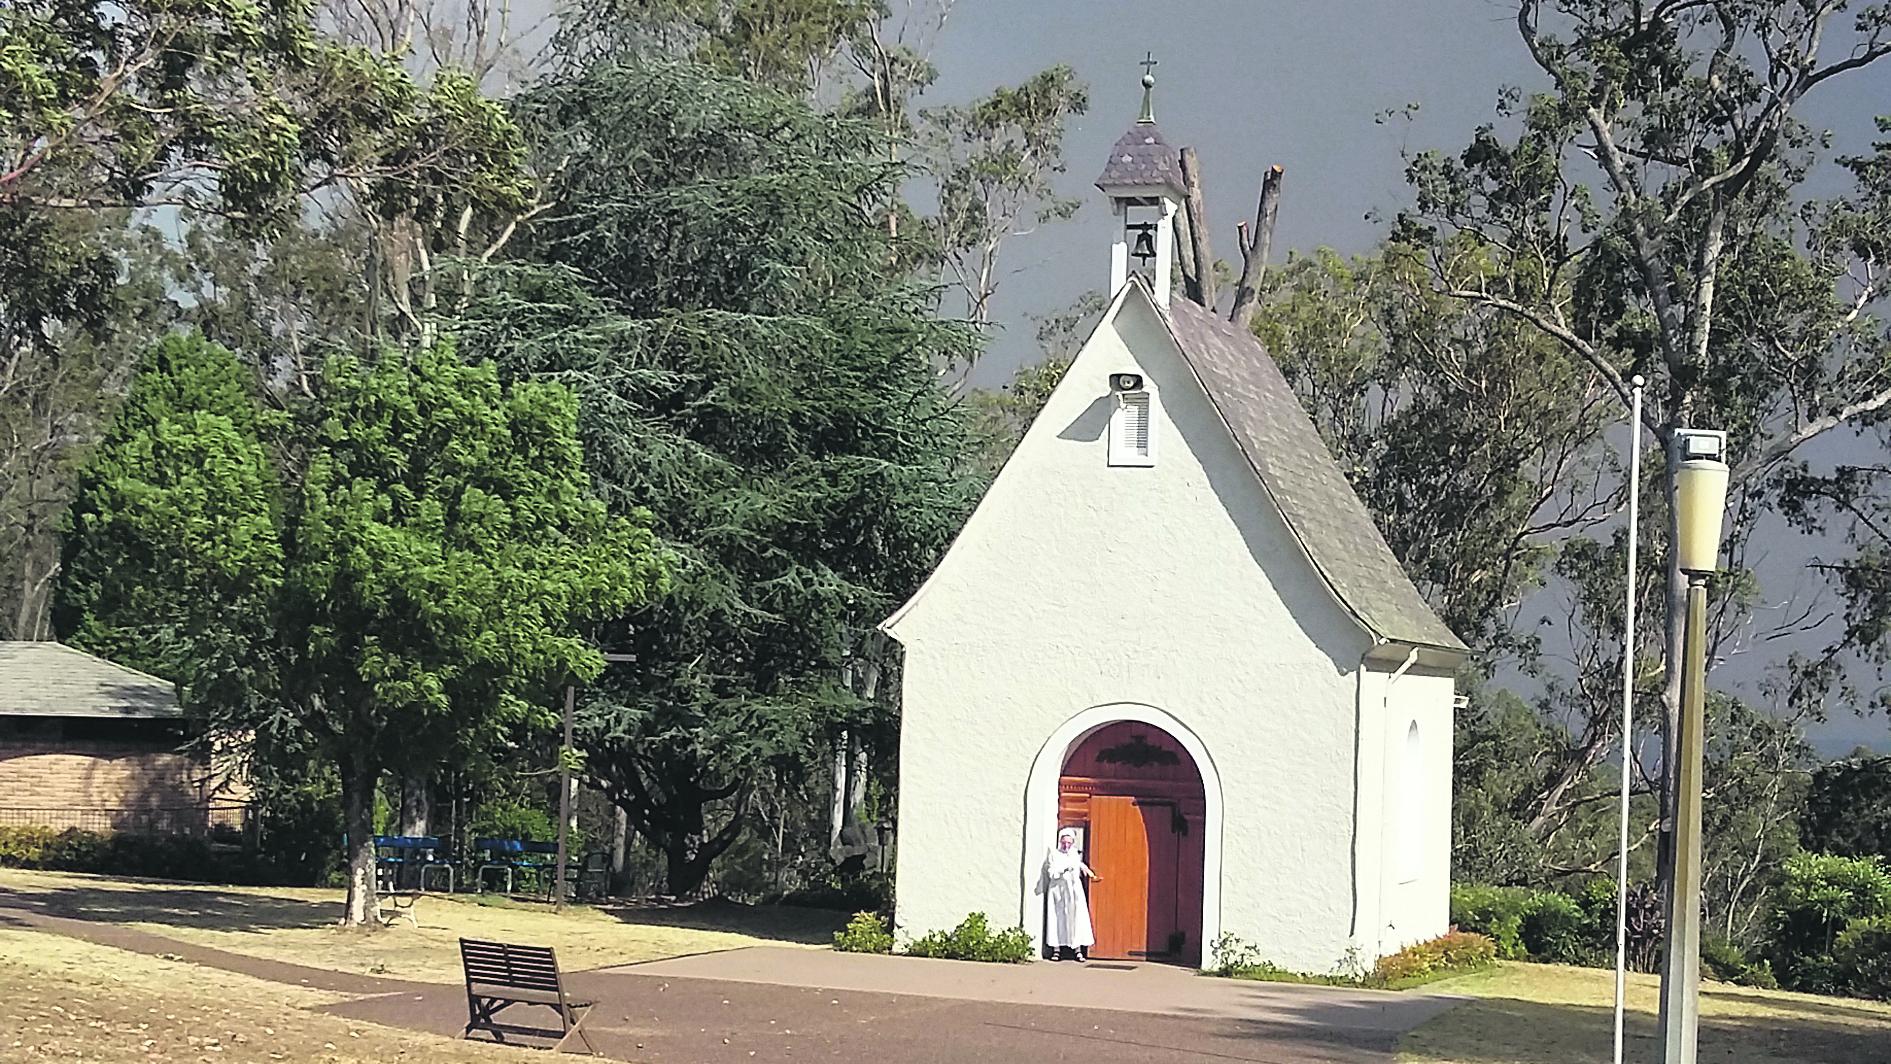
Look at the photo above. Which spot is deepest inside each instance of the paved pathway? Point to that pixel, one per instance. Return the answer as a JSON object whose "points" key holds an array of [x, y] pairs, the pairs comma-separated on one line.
{"points": [[1146, 988], [797, 1005]]}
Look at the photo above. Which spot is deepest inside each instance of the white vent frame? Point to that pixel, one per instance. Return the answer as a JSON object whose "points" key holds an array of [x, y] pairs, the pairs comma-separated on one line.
{"points": [[1129, 448]]}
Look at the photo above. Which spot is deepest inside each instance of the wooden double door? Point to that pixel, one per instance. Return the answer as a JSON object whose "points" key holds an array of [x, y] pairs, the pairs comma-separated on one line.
{"points": [[1136, 847]]}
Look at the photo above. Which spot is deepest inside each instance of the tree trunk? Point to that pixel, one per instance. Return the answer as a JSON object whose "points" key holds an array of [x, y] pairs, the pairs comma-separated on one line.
{"points": [[683, 872], [416, 805], [1201, 285], [1254, 257], [358, 779], [837, 794], [620, 847], [688, 865]]}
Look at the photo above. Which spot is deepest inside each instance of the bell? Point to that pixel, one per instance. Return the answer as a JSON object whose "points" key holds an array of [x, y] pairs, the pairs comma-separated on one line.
{"points": [[1145, 249]]}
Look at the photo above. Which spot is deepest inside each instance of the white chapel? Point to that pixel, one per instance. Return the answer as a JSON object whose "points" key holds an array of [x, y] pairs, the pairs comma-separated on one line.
{"points": [[1172, 626]]}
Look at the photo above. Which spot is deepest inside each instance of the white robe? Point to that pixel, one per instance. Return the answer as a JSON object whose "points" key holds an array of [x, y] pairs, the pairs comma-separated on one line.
{"points": [[1068, 912]]}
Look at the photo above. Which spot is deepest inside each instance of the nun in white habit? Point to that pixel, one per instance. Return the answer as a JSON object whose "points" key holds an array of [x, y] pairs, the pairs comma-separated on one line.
{"points": [[1067, 910]]}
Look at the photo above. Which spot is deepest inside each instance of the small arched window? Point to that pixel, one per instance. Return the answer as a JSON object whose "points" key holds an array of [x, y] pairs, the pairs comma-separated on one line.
{"points": [[1412, 799]]}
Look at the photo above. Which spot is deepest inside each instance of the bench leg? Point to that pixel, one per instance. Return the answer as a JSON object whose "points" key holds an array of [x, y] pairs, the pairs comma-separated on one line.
{"points": [[479, 1017], [574, 1027]]}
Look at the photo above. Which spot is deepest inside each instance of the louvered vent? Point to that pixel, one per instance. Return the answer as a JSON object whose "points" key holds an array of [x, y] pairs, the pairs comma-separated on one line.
{"points": [[1132, 430]]}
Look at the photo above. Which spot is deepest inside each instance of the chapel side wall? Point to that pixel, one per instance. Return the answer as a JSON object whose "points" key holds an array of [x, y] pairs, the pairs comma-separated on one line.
{"points": [[1375, 811], [1080, 585], [1416, 895]]}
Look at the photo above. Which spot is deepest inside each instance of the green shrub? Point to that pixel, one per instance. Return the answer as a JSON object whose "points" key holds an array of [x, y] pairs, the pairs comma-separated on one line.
{"points": [[974, 940], [1231, 955], [865, 933], [1862, 957], [507, 818], [128, 854], [1453, 954], [1539, 925], [300, 827], [1819, 898], [1726, 961], [1494, 912], [25, 847], [1447, 955], [1557, 930]]}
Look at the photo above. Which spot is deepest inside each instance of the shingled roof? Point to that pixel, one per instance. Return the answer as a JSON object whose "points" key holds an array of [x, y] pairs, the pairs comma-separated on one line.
{"points": [[1298, 472], [1142, 159], [53, 680]]}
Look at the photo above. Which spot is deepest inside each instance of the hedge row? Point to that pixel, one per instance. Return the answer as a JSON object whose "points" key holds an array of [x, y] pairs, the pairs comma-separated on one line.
{"points": [[1828, 931], [120, 853]]}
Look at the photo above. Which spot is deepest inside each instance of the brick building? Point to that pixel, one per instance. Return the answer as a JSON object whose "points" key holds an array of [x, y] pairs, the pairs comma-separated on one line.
{"points": [[89, 744]]}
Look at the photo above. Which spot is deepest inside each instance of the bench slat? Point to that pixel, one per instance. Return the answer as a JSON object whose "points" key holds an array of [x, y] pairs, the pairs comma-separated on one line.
{"points": [[513, 993], [502, 967]]}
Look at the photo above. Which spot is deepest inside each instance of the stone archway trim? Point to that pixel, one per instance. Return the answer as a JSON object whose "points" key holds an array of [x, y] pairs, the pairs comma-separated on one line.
{"points": [[1040, 808]]}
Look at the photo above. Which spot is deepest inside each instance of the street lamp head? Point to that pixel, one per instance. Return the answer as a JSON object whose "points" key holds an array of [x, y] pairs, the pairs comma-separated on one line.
{"points": [[1700, 498]]}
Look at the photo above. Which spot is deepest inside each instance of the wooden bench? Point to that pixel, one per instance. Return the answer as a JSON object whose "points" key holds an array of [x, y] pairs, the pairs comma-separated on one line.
{"points": [[499, 975]]}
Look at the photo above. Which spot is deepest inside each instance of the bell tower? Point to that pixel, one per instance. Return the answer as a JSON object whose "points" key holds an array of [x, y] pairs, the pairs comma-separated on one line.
{"points": [[1143, 181]]}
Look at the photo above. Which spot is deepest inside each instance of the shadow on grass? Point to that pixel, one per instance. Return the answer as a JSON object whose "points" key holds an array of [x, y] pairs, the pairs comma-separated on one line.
{"points": [[203, 907], [150, 902], [783, 923], [1509, 1031]]}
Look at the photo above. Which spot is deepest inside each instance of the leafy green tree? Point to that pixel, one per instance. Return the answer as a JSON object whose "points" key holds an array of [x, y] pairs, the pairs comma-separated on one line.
{"points": [[715, 287], [174, 557], [395, 584], [994, 160], [1848, 810], [1646, 212], [227, 109], [790, 45], [1468, 436]]}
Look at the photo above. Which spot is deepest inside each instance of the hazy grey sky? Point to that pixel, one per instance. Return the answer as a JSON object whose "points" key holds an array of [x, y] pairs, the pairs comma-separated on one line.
{"points": [[1250, 83], [1255, 82]]}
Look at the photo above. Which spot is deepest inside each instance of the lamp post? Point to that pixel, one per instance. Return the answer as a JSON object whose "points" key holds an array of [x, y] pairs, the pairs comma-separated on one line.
{"points": [[1636, 384], [1700, 500], [564, 787]]}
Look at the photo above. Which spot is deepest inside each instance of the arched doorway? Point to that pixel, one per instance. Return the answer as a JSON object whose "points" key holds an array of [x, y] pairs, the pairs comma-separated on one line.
{"points": [[1136, 796]]}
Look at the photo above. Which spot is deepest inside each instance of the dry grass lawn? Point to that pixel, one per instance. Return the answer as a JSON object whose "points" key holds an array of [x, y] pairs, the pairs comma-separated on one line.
{"points": [[62, 999], [1545, 1014], [298, 925]]}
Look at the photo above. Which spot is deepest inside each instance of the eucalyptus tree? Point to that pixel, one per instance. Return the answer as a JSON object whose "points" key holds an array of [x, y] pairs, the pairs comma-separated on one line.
{"points": [[1646, 209]]}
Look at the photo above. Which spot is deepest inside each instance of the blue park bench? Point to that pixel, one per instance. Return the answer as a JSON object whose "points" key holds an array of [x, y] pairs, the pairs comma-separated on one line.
{"points": [[515, 857], [403, 859]]}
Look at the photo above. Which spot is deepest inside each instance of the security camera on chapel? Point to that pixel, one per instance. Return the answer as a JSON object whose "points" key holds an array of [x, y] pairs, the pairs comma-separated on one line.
{"points": [[1126, 382]]}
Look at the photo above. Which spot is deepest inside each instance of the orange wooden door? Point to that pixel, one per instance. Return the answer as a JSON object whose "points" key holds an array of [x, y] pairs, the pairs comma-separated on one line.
{"points": [[1136, 846], [1118, 851]]}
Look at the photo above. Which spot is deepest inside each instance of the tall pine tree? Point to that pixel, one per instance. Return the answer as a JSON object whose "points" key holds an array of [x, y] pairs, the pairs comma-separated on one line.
{"points": [[718, 288]]}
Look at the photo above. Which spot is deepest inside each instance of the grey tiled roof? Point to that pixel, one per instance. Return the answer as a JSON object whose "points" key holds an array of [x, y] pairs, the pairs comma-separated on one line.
{"points": [[52, 680], [1280, 442], [1142, 159]]}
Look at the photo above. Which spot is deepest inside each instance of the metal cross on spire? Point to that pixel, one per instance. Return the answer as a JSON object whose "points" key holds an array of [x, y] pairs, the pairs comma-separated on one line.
{"points": [[1148, 89]]}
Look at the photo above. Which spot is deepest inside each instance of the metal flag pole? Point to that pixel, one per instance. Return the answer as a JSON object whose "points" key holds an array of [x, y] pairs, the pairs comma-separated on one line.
{"points": [[1637, 383]]}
